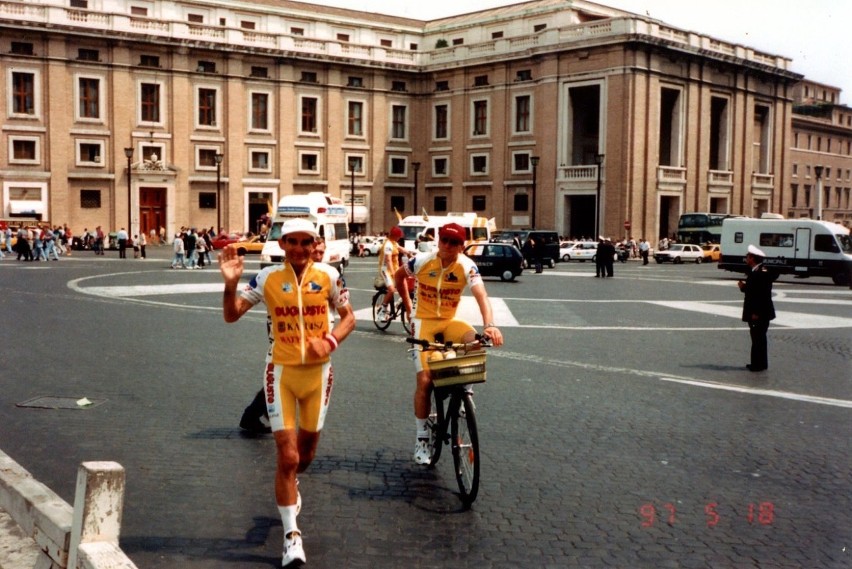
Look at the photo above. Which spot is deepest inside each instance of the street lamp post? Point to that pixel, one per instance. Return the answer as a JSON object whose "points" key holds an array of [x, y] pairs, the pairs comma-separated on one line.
{"points": [[351, 196], [818, 172], [416, 167], [129, 153], [599, 159], [534, 161], [218, 159]]}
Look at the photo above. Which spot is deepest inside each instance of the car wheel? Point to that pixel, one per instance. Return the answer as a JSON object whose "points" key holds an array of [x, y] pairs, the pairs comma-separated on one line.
{"points": [[551, 263], [566, 258], [698, 260], [659, 261], [507, 275], [595, 259]]}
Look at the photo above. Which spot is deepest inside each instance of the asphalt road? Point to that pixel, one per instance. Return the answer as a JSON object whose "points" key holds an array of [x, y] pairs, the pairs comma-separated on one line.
{"points": [[619, 427]]}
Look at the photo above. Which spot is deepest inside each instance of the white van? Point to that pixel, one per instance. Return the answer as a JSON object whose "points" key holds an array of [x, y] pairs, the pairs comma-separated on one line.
{"points": [[804, 247], [426, 226], [329, 216]]}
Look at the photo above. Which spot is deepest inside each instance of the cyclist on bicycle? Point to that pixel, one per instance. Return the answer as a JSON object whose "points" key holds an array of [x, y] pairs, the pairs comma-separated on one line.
{"points": [[388, 265], [440, 278]]}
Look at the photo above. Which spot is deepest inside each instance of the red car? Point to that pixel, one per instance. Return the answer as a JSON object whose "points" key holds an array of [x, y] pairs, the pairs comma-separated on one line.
{"points": [[225, 239]]}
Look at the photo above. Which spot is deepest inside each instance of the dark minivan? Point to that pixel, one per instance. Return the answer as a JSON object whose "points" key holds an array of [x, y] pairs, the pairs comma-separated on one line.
{"points": [[549, 238]]}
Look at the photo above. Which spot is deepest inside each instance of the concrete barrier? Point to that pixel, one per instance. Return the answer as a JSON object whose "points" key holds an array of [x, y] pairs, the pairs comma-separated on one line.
{"points": [[82, 537]]}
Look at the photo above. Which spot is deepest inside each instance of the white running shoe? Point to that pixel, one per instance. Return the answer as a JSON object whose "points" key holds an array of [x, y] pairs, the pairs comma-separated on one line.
{"points": [[422, 452], [294, 553]]}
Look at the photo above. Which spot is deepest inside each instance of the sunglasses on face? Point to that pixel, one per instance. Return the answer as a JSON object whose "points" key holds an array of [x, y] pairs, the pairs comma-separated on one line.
{"points": [[450, 241], [303, 242]]}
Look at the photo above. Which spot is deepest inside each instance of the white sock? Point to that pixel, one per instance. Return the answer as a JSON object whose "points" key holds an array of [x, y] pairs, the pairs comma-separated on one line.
{"points": [[288, 518], [422, 430]]}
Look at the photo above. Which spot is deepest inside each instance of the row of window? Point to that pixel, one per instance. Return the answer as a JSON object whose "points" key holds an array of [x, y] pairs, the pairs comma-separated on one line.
{"points": [[91, 100], [840, 198], [810, 142], [826, 172], [89, 152]]}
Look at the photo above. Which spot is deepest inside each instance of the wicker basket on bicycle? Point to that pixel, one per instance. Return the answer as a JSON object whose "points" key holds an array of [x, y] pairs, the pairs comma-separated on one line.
{"points": [[462, 369]]}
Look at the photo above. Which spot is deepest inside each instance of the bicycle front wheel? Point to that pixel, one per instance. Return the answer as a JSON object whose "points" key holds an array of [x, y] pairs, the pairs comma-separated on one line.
{"points": [[377, 318], [465, 445]]}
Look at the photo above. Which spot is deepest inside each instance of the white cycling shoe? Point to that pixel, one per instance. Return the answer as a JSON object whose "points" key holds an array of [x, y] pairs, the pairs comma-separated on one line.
{"points": [[294, 553], [422, 452]]}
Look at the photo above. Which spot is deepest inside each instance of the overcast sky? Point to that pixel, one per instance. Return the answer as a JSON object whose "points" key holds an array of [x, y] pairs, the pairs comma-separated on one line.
{"points": [[810, 33]]}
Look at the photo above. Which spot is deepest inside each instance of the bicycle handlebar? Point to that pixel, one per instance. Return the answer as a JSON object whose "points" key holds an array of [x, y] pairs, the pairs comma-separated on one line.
{"points": [[481, 339]]}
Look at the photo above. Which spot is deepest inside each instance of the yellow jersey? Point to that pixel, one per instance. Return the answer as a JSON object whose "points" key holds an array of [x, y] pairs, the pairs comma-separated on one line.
{"points": [[438, 290], [297, 309]]}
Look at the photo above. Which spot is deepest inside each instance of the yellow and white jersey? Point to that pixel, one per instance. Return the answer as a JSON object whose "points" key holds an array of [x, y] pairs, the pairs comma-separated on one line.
{"points": [[438, 290], [389, 256], [298, 310]]}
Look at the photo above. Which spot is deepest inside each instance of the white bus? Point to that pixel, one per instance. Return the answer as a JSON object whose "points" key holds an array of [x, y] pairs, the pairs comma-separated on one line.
{"points": [[329, 216], [803, 247]]}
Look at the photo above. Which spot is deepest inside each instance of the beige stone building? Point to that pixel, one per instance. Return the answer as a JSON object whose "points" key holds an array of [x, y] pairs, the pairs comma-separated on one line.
{"points": [[225, 107], [820, 155]]}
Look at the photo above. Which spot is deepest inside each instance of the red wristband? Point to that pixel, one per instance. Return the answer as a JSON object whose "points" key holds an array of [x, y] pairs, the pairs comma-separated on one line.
{"points": [[332, 341]]}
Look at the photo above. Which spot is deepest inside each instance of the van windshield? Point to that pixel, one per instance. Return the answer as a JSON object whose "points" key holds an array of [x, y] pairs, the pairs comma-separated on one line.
{"points": [[845, 243], [411, 232]]}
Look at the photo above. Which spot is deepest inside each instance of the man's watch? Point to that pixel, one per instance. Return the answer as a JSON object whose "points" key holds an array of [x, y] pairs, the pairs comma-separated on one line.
{"points": [[490, 325]]}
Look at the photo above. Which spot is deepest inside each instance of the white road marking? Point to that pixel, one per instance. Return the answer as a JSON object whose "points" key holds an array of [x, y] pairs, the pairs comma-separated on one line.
{"points": [[802, 397], [783, 318]]}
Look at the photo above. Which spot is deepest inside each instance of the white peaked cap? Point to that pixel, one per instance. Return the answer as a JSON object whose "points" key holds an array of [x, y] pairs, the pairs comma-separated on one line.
{"points": [[755, 251]]}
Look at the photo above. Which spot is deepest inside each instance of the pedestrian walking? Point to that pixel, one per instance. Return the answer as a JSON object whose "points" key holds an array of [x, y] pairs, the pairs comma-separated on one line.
{"points": [[143, 242], [179, 252], [644, 250]]}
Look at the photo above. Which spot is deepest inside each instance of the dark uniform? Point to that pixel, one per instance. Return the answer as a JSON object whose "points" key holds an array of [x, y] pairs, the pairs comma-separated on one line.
{"points": [[758, 311]]}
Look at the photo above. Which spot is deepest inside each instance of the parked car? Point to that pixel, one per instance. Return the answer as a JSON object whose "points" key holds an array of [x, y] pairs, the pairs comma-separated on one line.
{"points": [[249, 245], [579, 251], [496, 260], [712, 253], [224, 239], [549, 240], [372, 245], [680, 253]]}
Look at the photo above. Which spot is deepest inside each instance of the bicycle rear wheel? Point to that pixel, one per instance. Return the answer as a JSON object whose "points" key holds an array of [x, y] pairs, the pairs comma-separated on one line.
{"points": [[377, 304], [465, 446], [435, 422]]}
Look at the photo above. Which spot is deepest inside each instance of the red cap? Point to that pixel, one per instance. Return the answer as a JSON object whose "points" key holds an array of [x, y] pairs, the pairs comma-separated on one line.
{"points": [[453, 231], [395, 233]]}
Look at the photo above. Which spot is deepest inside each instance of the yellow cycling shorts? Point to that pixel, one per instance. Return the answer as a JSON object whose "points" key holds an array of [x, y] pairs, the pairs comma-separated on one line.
{"points": [[306, 387], [426, 329]]}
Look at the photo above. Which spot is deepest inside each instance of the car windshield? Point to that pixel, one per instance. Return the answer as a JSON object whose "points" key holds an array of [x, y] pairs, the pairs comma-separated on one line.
{"points": [[676, 247], [845, 243]]}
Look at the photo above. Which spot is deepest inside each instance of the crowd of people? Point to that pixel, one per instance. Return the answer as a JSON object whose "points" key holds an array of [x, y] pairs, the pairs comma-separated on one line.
{"points": [[192, 248], [35, 244]]}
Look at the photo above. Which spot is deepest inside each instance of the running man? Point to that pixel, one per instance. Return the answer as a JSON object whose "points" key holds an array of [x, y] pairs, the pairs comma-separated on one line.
{"points": [[299, 376], [440, 277]]}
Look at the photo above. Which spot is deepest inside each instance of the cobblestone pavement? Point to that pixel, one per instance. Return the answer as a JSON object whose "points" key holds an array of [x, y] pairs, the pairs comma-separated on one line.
{"points": [[615, 431]]}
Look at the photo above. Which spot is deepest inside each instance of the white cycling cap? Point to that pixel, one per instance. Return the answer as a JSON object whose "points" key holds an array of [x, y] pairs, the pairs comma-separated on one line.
{"points": [[298, 226]]}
